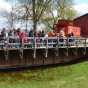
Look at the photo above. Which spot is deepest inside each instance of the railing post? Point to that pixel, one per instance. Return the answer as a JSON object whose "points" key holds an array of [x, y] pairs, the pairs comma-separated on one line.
{"points": [[34, 54], [57, 47], [85, 47], [21, 49], [46, 53], [6, 48], [67, 45], [75, 49], [76, 53]]}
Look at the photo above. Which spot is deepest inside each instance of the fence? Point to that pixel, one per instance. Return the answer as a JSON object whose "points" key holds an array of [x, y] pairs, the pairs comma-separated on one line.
{"points": [[42, 42]]}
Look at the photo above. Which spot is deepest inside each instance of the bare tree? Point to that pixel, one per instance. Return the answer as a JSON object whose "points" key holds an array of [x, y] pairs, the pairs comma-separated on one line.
{"points": [[63, 9], [43, 11], [10, 18], [32, 10]]}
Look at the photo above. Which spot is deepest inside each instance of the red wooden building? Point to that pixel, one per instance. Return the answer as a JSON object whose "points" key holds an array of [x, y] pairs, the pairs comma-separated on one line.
{"points": [[82, 22], [67, 26]]}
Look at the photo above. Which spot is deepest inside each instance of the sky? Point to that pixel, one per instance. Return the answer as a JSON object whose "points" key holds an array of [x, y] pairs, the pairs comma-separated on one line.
{"points": [[81, 6], [4, 6]]}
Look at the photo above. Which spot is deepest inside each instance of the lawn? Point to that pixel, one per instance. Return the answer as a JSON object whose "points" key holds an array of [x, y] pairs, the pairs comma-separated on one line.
{"points": [[70, 76]]}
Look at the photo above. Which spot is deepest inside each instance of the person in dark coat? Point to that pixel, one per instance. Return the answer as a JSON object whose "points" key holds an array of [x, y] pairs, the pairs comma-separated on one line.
{"points": [[71, 38], [42, 33], [3, 33], [31, 34]]}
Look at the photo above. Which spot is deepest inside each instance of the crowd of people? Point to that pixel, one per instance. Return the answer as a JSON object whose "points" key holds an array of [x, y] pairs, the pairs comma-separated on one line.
{"points": [[18, 35]]}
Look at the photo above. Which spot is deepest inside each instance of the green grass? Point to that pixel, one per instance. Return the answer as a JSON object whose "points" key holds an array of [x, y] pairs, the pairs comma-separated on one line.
{"points": [[71, 76]]}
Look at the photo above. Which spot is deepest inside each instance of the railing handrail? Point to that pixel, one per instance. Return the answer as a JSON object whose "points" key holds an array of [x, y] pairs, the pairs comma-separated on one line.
{"points": [[42, 41]]}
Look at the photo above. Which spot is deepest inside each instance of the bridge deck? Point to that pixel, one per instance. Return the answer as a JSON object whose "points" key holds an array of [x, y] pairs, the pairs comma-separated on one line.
{"points": [[40, 51]]}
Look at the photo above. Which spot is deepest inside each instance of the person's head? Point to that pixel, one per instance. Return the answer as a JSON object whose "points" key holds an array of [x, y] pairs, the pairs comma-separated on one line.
{"points": [[58, 34], [72, 34], [39, 31], [25, 30], [31, 30], [10, 31], [70, 31], [18, 30], [4, 29], [0, 32], [14, 29], [43, 31], [54, 31], [62, 33]]}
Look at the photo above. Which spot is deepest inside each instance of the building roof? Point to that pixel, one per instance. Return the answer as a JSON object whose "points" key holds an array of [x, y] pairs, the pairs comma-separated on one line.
{"points": [[81, 16]]}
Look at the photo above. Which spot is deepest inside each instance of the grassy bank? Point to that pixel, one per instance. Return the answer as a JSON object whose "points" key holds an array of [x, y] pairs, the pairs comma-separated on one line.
{"points": [[71, 76]]}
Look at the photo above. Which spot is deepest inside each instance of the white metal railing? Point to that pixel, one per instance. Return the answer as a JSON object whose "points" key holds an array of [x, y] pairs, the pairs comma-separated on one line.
{"points": [[42, 42], [28, 42], [13, 42]]}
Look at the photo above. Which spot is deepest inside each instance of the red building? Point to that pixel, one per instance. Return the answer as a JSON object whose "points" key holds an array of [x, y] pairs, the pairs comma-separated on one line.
{"points": [[82, 22], [67, 26]]}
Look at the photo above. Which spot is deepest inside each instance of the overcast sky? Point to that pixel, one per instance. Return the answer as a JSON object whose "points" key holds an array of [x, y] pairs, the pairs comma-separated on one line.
{"points": [[80, 5]]}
